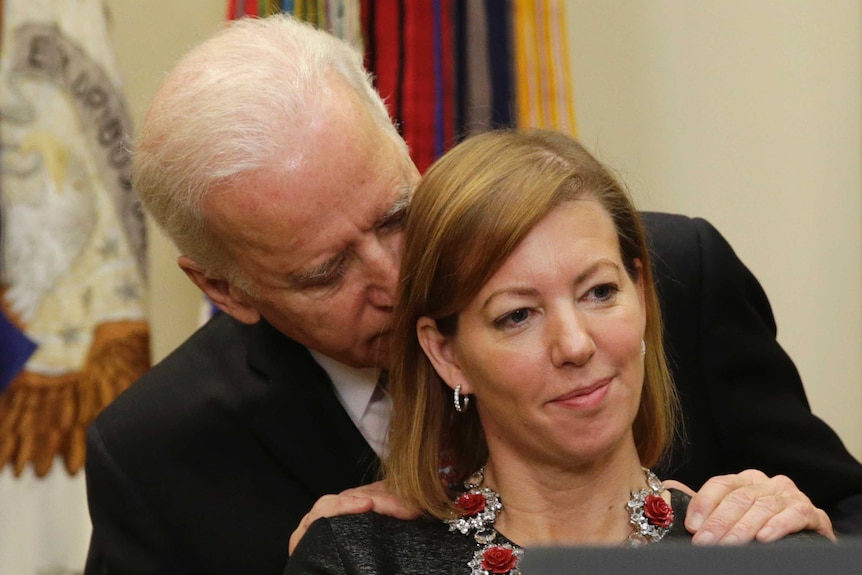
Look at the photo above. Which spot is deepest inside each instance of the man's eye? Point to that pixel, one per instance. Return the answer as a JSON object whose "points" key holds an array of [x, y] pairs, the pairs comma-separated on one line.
{"points": [[327, 279], [332, 278], [395, 220]]}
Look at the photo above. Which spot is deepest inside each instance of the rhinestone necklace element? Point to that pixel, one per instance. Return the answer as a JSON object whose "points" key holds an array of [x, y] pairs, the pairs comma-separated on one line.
{"points": [[650, 515]]}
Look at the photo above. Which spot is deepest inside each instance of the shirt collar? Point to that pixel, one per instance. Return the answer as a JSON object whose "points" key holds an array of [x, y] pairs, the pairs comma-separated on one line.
{"points": [[354, 386]]}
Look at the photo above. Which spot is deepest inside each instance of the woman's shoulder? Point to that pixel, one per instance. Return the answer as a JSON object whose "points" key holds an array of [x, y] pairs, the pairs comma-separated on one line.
{"points": [[374, 543], [679, 501], [380, 525]]}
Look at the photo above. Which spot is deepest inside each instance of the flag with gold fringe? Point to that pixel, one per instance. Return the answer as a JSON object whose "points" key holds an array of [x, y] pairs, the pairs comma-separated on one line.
{"points": [[72, 308], [451, 68], [542, 77]]}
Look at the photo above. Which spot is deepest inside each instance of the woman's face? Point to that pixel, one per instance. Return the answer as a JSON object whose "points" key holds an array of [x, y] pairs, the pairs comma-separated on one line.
{"points": [[551, 345]]}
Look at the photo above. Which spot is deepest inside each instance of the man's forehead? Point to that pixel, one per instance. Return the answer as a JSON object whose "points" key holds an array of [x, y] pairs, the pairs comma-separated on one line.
{"points": [[339, 139], [342, 214], [351, 218], [323, 188]]}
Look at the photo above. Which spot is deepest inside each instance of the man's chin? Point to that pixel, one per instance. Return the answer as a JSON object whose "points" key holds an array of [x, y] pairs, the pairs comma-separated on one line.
{"points": [[375, 353], [378, 355], [373, 360]]}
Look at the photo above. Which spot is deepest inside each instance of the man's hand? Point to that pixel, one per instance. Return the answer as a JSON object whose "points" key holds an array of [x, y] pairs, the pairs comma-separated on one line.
{"points": [[734, 509], [371, 497]]}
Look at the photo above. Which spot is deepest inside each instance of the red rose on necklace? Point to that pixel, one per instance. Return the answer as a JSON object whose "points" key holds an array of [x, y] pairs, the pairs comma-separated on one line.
{"points": [[471, 504], [499, 560], [658, 511]]}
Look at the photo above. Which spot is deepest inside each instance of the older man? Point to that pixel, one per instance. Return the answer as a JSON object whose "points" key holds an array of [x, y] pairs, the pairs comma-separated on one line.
{"points": [[271, 162]]}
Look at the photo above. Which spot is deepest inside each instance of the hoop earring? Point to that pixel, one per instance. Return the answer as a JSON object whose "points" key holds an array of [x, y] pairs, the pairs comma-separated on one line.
{"points": [[461, 401]]}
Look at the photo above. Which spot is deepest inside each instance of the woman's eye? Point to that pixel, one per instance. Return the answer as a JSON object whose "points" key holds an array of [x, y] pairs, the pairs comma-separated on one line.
{"points": [[604, 292], [519, 315], [514, 318]]}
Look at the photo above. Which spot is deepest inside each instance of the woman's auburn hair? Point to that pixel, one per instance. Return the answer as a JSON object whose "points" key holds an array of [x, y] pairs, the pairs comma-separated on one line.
{"points": [[470, 211]]}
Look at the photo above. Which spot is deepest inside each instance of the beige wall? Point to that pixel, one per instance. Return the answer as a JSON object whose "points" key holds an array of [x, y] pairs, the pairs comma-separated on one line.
{"points": [[148, 38], [746, 113]]}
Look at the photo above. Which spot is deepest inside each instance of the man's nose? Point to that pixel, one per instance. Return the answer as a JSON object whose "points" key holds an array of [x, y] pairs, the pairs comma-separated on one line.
{"points": [[570, 340], [384, 262]]}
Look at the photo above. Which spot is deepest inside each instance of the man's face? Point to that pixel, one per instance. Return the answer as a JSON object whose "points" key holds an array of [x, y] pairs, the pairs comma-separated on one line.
{"points": [[320, 236]]}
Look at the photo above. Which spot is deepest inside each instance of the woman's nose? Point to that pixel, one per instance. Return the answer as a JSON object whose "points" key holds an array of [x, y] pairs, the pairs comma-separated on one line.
{"points": [[570, 340]]}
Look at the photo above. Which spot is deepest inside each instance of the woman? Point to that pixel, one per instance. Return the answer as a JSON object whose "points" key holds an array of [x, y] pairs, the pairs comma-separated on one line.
{"points": [[527, 367]]}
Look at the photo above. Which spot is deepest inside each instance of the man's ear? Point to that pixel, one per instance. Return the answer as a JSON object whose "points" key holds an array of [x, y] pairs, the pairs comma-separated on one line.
{"points": [[441, 353], [224, 295]]}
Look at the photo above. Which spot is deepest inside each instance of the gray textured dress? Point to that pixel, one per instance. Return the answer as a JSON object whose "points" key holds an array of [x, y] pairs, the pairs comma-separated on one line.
{"points": [[370, 543]]}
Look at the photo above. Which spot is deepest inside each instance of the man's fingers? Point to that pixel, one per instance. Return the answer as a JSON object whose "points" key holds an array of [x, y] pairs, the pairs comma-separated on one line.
{"points": [[392, 506], [371, 497], [735, 509], [713, 494], [674, 484], [739, 517], [797, 517], [329, 506], [383, 501]]}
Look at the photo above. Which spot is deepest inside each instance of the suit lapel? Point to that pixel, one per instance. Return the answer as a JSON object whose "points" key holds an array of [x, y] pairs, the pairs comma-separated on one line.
{"points": [[299, 419]]}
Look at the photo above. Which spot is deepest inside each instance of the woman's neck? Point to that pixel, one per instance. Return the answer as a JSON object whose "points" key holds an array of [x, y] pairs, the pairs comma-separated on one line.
{"points": [[580, 505]]}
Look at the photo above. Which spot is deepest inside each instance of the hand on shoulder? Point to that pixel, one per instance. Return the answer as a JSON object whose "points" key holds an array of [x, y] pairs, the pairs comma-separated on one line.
{"points": [[372, 497], [748, 506]]}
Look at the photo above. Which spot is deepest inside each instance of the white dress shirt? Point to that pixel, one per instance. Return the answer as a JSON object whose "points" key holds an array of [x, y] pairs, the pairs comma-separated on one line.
{"points": [[367, 404]]}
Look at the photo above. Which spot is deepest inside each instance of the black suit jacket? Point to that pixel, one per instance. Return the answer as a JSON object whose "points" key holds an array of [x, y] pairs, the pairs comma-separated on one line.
{"points": [[209, 461], [742, 398]]}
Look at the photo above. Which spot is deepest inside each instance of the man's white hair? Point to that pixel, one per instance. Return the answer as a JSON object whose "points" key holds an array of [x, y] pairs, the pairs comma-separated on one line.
{"points": [[231, 108]]}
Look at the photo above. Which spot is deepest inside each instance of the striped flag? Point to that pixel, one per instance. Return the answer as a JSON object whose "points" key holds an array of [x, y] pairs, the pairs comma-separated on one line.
{"points": [[451, 68], [543, 80]]}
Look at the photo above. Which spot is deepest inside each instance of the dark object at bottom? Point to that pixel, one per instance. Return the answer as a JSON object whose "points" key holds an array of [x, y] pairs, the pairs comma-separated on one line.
{"points": [[790, 558]]}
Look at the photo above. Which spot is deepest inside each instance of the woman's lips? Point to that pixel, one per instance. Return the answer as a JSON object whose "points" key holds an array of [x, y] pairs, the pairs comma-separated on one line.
{"points": [[586, 397]]}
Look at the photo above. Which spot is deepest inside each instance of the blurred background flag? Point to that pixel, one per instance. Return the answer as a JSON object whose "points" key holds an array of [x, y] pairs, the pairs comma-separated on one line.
{"points": [[73, 234], [15, 349], [451, 68], [73, 329], [543, 81]]}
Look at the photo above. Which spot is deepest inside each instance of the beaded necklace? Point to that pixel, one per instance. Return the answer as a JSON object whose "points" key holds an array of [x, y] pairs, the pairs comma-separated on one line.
{"points": [[650, 515]]}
